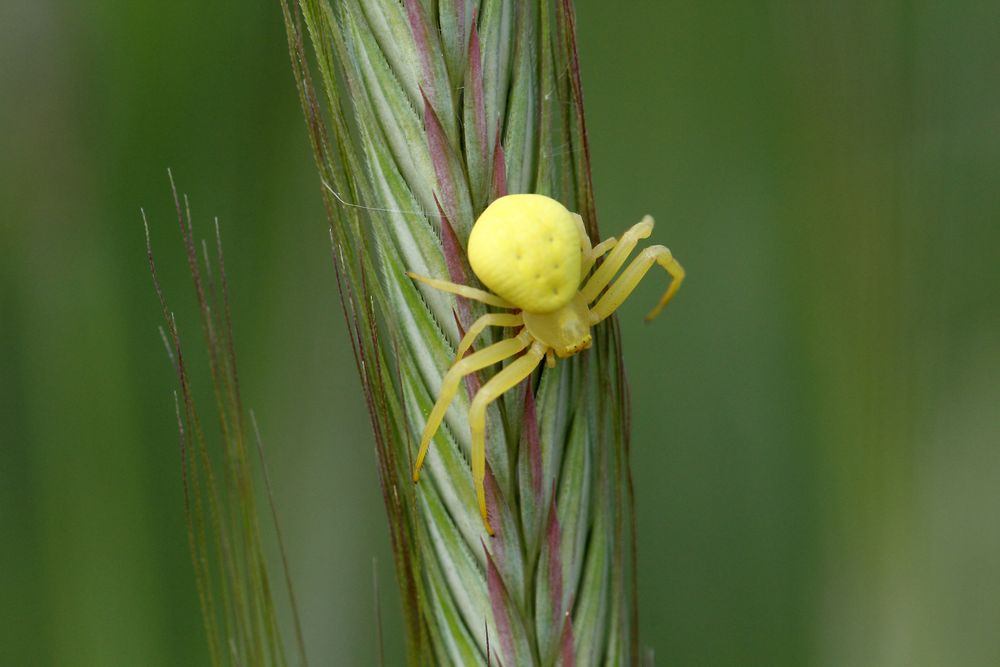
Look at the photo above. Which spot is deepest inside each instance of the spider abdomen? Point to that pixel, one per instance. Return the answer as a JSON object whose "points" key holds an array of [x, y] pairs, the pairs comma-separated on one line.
{"points": [[526, 249]]}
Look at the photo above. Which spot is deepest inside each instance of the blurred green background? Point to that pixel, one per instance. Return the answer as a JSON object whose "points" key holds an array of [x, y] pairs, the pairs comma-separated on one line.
{"points": [[816, 429]]}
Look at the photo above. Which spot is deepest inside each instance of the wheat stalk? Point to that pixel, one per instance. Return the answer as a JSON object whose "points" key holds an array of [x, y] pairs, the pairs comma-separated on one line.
{"points": [[423, 113]]}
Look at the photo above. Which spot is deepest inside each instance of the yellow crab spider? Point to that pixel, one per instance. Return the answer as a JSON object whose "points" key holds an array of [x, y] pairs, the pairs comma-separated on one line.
{"points": [[534, 254]]}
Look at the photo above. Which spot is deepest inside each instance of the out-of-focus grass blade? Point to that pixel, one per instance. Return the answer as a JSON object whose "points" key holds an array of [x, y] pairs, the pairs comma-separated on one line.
{"points": [[231, 572]]}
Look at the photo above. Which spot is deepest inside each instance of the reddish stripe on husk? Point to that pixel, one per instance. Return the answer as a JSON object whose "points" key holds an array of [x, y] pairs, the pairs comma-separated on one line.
{"points": [[499, 600], [478, 97], [530, 429], [499, 168], [437, 144], [418, 28]]}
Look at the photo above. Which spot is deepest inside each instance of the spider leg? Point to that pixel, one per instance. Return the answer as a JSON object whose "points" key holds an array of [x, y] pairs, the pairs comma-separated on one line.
{"points": [[595, 253], [598, 250], [616, 259], [509, 377], [463, 290], [631, 276], [449, 386], [590, 254], [490, 319]]}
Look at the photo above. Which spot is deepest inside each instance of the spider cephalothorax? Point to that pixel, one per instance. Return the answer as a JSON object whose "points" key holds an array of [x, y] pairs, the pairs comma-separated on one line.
{"points": [[534, 254]]}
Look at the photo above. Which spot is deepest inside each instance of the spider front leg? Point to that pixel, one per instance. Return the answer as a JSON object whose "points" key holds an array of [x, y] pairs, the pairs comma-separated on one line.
{"points": [[488, 320], [631, 277], [449, 386], [590, 254], [601, 248], [616, 258], [506, 379]]}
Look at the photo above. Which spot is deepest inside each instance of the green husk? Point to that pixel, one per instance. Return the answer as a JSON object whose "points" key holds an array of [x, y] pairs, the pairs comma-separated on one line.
{"points": [[423, 113]]}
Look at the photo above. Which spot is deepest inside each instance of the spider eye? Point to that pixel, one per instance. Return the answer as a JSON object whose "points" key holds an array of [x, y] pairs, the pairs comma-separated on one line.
{"points": [[526, 249]]}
